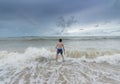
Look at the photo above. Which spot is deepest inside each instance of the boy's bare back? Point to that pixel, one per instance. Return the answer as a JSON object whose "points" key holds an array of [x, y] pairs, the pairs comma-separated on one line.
{"points": [[60, 45]]}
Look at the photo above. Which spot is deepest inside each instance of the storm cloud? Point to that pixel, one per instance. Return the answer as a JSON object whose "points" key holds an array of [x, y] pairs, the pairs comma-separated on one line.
{"points": [[50, 17]]}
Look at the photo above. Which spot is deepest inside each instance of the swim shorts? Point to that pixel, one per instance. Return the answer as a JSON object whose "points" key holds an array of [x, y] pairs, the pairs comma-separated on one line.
{"points": [[59, 50]]}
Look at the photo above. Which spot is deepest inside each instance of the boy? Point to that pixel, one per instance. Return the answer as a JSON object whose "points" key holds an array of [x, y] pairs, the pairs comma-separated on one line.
{"points": [[60, 48]]}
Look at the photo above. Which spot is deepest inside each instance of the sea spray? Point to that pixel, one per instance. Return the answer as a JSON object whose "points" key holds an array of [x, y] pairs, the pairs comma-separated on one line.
{"points": [[43, 54], [28, 68]]}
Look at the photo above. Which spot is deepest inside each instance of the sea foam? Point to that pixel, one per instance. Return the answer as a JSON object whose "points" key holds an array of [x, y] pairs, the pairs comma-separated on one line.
{"points": [[32, 54], [37, 65]]}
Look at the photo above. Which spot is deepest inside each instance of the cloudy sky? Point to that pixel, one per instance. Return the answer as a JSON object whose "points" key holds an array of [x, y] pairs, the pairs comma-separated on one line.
{"points": [[59, 17]]}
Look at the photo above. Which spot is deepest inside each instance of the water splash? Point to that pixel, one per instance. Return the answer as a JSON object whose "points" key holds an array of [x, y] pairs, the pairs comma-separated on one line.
{"points": [[37, 65]]}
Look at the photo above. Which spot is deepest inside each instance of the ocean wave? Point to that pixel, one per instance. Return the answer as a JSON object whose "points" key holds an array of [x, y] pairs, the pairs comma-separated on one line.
{"points": [[90, 53], [37, 65], [113, 60], [44, 54], [30, 54]]}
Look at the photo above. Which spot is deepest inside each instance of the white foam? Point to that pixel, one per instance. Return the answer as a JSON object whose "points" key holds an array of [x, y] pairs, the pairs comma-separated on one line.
{"points": [[114, 59], [30, 53], [33, 53], [22, 68]]}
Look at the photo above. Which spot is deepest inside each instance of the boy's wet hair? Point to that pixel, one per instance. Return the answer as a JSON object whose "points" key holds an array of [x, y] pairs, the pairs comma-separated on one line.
{"points": [[60, 40]]}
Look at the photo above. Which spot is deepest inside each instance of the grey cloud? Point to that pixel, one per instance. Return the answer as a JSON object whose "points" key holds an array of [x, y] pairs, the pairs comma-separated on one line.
{"points": [[63, 23], [38, 16], [45, 7], [55, 8], [97, 25]]}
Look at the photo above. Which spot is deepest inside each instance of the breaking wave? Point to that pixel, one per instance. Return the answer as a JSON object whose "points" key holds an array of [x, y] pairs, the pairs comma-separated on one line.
{"points": [[37, 66], [42, 54]]}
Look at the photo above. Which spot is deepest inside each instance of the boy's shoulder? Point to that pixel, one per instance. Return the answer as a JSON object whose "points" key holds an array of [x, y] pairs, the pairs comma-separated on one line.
{"points": [[60, 43]]}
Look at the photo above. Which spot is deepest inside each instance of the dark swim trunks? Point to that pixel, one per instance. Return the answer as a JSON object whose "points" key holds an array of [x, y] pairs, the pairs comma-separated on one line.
{"points": [[59, 50]]}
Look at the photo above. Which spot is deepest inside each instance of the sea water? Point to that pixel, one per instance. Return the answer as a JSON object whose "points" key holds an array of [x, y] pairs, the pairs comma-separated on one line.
{"points": [[88, 60]]}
